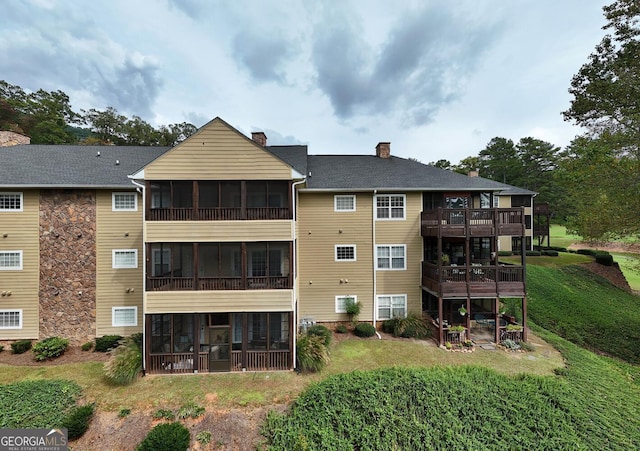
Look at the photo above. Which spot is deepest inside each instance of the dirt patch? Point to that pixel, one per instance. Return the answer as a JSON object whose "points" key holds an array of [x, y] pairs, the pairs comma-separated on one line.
{"points": [[234, 429], [624, 248], [74, 354]]}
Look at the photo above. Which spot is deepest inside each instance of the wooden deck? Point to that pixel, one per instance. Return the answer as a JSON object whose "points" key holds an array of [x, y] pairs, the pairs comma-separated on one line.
{"points": [[470, 222], [473, 281]]}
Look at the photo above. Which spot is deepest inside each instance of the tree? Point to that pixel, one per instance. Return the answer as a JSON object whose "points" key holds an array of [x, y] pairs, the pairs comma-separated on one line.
{"points": [[499, 161], [467, 165], [606, 100], [442, 164], [538, 161]]}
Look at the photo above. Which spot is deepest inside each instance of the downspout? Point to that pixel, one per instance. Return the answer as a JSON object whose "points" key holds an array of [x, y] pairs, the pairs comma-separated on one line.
{"points": [[373, 251], [294, 197], [141, 189]]}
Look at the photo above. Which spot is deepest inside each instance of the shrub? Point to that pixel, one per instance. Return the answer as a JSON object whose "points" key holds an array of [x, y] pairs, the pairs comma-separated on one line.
{"points": [[1, 348], [124, 412], [505, 253], [50, 348], [604, 258], [533, 253], [312, 353], [164, 414], [550, 253], [77, 422], [413, 326], [341, 329], [510, 344], [20, 346], [125, 364], [528, 347], [364, 330], [107, 343], [321, 331], [166, 437], [190, 410], [587, 252], [87, 346]]}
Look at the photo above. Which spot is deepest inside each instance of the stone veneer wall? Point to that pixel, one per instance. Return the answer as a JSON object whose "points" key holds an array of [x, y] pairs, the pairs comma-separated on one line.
{"points": [[8, 138], [68, 264]]}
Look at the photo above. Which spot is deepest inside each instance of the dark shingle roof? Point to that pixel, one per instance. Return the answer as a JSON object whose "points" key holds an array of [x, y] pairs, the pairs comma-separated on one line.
{"points": [[366, 172], [62, 166], [294, 156]]}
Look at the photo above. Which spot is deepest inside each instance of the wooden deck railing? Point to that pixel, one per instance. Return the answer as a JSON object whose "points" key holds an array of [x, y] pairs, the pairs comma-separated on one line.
{"points": [[473, 222], [177, 363], [218, 214], [218, 283], [261, 360], [473, 280]]}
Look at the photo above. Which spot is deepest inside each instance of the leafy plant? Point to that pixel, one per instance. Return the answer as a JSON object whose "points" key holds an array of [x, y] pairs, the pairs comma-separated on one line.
{"points": [[190, 410], [164, 414], [20, 346], [321, 331], [124, 412], [204, 437], [50, 348], [1, 348], [513, 327], [107, 343], [510, 344], [352, 308], [166, 437], [77, 422], [456, 328], [364, 330], [312, 353], [125, 364]]}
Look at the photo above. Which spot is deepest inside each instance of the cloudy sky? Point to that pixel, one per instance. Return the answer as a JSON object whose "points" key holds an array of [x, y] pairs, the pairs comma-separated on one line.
{"points": [[436, 78]]}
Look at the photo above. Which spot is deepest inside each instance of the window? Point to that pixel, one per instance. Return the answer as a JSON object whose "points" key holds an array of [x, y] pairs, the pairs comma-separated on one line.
{"points": [[10, 201], [345, 252], [392, 306], [124, 202], [125, 258], [341, 303], [391, 256], [496, 201], [11, 319], [485, 200], [10, 260], [390, 206], [521, 201], [344, 203], [124, 316]]}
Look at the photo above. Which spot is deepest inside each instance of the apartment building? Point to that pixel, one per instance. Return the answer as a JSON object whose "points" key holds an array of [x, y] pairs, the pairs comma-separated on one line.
{"points": [[219, 248]]}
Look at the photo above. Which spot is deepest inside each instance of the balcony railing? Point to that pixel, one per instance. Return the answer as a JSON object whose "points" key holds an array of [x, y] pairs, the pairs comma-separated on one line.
{"points": [[218, 214], [473, 222], [218, 283], [473, 280]]}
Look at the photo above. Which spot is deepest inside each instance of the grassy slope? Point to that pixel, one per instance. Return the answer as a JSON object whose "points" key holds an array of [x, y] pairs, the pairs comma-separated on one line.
{"points": [[585, 309]]}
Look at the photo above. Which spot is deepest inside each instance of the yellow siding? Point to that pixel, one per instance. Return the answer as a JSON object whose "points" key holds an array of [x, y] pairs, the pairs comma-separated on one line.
{"points": [[405, 232], [219, 301], [319, 230], [23, 232], [117, 230], [218, 231], [218, 152]]}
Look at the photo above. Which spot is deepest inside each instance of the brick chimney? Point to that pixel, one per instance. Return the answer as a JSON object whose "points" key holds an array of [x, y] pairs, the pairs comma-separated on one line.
{"points": [[383, 150], [474, 174], [260, 138]]}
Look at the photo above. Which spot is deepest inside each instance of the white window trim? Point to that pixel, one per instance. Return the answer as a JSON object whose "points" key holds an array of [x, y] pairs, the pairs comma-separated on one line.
{"points": [[404, 207], [13, 268], [390, 246], [113, 316], [113, 201], [19, 311], [342, 309], [13, 209], [335, 203], [113, 258], [390, 296], [335, 253]]}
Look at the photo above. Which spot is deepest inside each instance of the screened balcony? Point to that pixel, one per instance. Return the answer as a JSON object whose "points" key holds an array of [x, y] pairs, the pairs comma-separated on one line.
{"points": [[218, 200], [219, 266]]}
